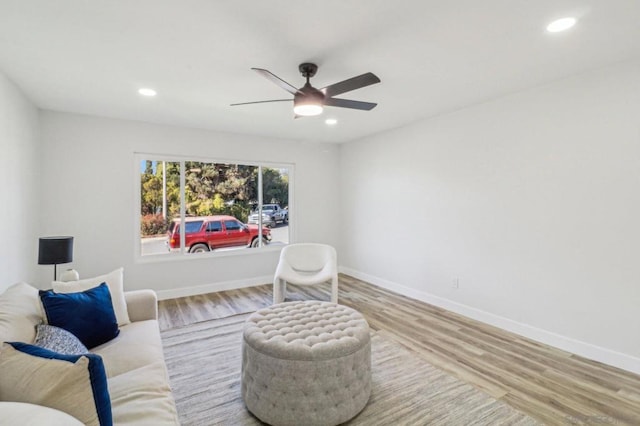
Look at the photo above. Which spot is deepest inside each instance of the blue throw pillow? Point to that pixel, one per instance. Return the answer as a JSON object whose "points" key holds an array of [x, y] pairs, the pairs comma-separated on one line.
{"points": [[88, 315], [69, 384]]}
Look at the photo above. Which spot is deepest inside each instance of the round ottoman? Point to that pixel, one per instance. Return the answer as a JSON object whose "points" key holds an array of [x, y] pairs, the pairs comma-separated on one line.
{"points": [[306, 363]]}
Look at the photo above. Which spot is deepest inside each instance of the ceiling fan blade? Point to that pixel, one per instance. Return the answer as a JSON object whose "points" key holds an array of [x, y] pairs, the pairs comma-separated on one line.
{"points": [[277, 80], [347, 103], [262, 102], [350, 84]]}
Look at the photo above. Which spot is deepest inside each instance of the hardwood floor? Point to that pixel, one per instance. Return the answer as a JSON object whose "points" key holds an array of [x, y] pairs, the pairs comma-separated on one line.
{"points": [[551, 385]]}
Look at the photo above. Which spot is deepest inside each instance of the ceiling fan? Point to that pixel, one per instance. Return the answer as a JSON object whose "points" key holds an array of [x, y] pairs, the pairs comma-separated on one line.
{"points": [[308, 100]]}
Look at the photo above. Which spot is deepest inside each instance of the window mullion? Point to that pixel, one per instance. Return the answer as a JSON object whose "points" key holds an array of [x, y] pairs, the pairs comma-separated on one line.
{"points": [[260, 206], [183, 207]]}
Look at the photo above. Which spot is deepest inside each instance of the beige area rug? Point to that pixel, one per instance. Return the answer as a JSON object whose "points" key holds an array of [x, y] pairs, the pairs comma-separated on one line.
{"points": [[204, 360]]}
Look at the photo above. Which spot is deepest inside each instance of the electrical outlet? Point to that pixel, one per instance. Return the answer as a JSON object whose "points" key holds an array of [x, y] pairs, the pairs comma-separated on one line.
{"points": [[455, 283]]}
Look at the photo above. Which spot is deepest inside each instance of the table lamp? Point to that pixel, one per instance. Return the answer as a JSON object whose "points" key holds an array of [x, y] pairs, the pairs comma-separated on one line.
{"points": [[54, 251]]}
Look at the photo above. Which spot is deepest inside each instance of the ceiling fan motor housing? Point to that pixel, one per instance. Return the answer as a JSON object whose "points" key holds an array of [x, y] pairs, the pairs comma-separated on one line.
{"points": [[308, 94]]}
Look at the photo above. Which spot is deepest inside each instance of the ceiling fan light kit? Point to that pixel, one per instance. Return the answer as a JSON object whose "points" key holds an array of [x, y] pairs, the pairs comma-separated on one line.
{"points": [[307, 109], [309, 101]]}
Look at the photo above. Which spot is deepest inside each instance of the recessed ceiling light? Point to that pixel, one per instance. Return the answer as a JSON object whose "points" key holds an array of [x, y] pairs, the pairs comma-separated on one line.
{"points": [[147, 92], [331, 121], [561, 24]]}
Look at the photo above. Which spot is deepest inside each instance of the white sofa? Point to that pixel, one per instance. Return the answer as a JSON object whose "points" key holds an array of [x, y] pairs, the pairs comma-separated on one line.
{"points": [[134, 362]]}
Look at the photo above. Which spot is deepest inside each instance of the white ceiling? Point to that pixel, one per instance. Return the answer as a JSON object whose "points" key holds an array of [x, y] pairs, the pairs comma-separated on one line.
{"points": [[433, 56]]}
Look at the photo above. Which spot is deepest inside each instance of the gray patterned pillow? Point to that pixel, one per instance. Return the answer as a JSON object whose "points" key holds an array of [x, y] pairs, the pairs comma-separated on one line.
{"points": [[58, 340]]}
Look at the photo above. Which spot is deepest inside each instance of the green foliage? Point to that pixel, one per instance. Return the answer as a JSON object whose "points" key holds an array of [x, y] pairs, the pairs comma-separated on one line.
{"points": [[210, 189], [240, 212], [202, 207], [218, 202], [151, 195], [275, 187]]}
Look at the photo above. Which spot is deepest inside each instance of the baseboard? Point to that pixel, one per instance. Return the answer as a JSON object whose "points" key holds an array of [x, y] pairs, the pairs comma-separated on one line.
{"points": [[213, 287], [586, 350]]}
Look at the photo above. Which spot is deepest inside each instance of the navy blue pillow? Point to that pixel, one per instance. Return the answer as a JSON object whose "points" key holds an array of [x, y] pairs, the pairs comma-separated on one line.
{"points": [[97, 376], [88, 314]]}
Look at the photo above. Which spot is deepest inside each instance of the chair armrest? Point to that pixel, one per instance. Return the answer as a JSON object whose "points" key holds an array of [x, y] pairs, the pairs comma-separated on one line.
{"points": [[142, 305]]}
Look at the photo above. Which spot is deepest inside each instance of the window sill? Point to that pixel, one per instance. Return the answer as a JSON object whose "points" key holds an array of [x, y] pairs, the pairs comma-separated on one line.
{"points": [[215, 254]]}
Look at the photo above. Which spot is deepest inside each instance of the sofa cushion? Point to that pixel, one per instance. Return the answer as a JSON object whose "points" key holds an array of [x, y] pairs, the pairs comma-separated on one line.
{"points": [[143, 397], [137, 345], [20, 312], [88, 314], [58, 340], [114, 281], [74, 384]]}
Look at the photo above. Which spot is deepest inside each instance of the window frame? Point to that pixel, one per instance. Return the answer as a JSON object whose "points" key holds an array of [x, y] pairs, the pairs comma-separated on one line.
{"points": [[138, 157]]}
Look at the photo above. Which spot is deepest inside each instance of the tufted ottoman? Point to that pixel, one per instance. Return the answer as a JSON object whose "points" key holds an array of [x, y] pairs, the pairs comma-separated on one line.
{"points": [[306, 363]]}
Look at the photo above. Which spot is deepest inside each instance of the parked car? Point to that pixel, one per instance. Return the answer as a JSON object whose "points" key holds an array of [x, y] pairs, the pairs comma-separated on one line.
{"points": [[207, 233], [272, 214]]}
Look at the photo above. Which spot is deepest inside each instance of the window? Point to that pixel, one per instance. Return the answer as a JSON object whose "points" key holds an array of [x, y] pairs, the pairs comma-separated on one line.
{"points": [[208, 206], [215, 226], [232, 225], [189, 227]]}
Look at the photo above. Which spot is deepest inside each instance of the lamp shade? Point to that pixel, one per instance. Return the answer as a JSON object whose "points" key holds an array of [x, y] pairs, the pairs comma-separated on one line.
{"points": [[55, 250]]}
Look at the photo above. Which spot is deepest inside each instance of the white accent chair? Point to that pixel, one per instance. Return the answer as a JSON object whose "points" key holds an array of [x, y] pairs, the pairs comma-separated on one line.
{"points": [[306, 264]]}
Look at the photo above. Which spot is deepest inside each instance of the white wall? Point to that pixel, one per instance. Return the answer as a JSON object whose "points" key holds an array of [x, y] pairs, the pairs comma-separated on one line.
{"points": [[20, 176], [532, 201], [89, 193]]}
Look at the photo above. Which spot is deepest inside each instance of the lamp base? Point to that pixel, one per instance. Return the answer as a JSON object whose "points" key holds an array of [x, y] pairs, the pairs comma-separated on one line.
{"points": [[69, 275]]}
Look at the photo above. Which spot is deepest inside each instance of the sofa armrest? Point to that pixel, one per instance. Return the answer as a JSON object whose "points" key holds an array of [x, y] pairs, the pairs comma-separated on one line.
{"points": [[14, 413], [142, 305]]}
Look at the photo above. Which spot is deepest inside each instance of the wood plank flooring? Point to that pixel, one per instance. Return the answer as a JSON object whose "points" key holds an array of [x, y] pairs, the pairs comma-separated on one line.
{"points": [[551, 385]]}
